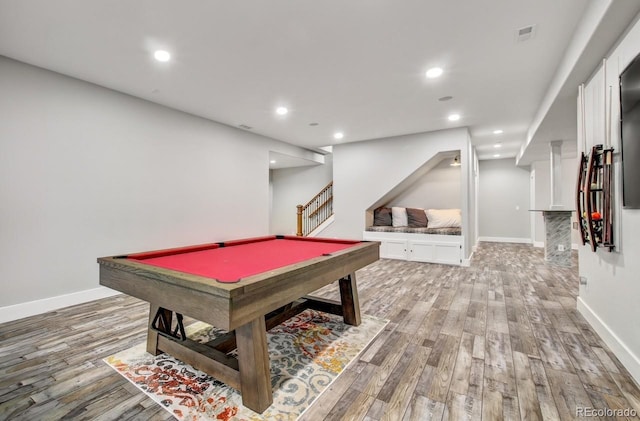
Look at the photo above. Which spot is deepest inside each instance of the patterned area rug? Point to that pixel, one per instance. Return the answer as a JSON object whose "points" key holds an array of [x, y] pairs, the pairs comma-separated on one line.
{"points": [[307, 354]]}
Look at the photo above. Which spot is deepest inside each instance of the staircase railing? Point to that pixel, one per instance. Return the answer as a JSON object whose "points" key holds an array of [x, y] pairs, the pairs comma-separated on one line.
{"points": [[316, 211]]}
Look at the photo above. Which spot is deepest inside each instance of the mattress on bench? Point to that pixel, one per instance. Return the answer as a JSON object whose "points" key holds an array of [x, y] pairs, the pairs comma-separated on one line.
{"points": [[427, 230]]}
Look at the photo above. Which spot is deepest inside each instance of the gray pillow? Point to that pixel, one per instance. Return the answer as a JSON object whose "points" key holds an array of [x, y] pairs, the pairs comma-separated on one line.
{"points": [[382, 217], [417, 218]]}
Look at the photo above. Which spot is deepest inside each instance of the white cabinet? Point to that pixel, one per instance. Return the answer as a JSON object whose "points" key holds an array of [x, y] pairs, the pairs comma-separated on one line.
{"points": [[393, 249], [434, 252], [446, 249], [421, 251]]}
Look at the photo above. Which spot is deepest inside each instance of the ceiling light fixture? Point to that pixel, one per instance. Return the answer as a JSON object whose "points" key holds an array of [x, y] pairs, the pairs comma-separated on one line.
{"points": [[496, 155], [456, 161], [282, 110], [338, 135], [434, 72], [497, 131], [497, 145], [445, 98], [454, 117], [162, 55]]}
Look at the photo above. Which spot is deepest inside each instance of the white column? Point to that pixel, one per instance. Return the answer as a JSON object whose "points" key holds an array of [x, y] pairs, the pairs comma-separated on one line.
{"points": [[556, 173]]}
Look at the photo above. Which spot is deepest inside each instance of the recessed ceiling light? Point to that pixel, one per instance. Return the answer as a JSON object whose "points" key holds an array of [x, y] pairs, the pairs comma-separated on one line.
{"points": [[497, 131], [273, 161], [313, 124], [445, 98], [338, 135], [496, 155], [497, 145], [454, 117], [434, 72], [282, 110], [162, 55]]}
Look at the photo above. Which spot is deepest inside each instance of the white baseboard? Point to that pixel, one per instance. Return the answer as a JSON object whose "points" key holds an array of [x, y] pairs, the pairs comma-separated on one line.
{"points": [[540, 244], [624, 354], [505, 240], [31, 308]]}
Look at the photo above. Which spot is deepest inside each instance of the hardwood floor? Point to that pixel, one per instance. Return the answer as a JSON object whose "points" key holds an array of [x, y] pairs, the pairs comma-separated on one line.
{"points": [[499, 340]]}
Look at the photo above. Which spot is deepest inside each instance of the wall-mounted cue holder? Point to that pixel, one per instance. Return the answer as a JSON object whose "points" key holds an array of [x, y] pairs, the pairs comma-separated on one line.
{"points": [[593, 198]]}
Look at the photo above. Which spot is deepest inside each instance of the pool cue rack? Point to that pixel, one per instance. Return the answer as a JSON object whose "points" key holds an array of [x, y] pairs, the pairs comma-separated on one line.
{"points": [[593, 198]]}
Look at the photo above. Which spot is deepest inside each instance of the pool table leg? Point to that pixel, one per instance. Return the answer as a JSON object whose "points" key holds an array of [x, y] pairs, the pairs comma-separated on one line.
{"points": [[253, 361], [152, 335], [349, 299]]}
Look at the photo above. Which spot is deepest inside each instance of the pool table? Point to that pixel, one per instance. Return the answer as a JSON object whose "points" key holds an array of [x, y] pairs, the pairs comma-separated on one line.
{"points": [[244, 287]]}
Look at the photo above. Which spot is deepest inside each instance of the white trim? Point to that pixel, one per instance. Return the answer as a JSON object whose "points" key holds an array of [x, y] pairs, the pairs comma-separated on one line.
{"points": [[466, 262], [621, 351], [540, 244], [31, 308], [505, 240], [322, 226]]}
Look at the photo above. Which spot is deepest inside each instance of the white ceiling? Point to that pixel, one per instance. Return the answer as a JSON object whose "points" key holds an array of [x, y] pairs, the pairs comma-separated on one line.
{"points": [[356, 66]]}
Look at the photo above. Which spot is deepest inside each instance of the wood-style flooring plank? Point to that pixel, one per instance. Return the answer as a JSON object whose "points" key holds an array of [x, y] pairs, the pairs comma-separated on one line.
{"points": [[527, 395], [546, 400], [423, 409], [568, 392], [401, 397], [442, 357], [460, 380]]}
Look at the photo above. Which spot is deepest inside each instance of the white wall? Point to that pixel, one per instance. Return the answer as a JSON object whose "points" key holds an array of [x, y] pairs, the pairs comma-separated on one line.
{"points": [[567, 199], [88, 172], [363, 172], [503, 201], [469, 195], [292, 187], [610, 299], [542, 195], [437, 189]]}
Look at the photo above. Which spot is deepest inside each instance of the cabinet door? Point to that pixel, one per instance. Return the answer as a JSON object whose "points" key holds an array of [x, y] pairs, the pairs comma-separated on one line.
{"points": [[448, 253], [434, 252], [394, 249], [421, 251]]}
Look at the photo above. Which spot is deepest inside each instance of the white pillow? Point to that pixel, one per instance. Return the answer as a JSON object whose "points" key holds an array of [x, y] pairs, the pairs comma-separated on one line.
{"points": [[399, 217], [444, 218]]}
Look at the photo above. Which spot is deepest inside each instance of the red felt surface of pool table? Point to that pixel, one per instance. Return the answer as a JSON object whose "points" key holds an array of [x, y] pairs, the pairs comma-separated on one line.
{"points": [[230, 262]]}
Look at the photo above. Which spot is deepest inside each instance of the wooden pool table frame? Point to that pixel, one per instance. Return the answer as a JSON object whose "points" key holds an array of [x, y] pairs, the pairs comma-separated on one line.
{"points": [[246, 309]]}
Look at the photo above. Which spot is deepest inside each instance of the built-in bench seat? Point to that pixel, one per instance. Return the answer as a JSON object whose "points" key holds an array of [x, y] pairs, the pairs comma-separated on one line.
{"points": [[413, 239]]}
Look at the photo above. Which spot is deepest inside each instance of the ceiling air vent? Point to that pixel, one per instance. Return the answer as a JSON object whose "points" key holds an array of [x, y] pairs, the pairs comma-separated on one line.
{"points": [[244, 126], [525, 33]]}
